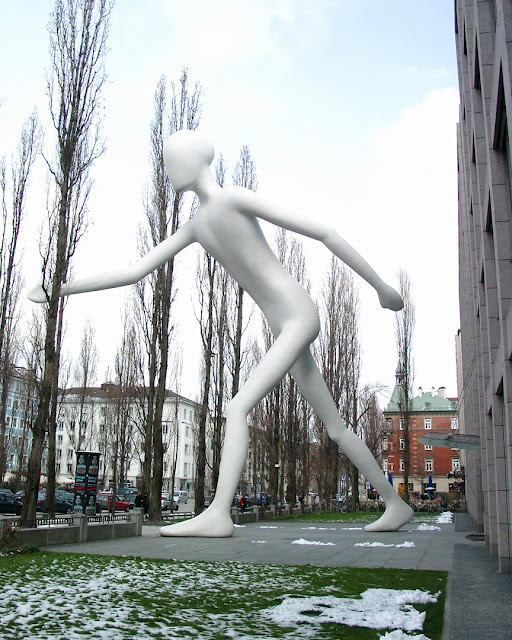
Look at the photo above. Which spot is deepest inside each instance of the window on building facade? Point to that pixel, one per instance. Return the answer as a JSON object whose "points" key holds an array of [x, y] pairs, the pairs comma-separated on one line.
{"points": [[186, 449], [385, 465], [402, 444], [455, 464], [165, 429], [57, 467], [59, 439], [402, 464], [384, 444], [70, 453], [58, 454], [9, 403], [454, 423], [402, 424], [428, 447], [187, 432], [428, 465], [428, 423], [70, 468], [15, 405]]}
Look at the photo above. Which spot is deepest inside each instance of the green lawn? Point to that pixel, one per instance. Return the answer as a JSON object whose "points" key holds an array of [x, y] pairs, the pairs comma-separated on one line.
{"points": [[360, 516], [73, 596]]}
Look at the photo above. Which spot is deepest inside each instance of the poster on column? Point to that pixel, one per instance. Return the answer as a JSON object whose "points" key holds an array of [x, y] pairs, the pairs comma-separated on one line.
{"points": [[86, 481]]}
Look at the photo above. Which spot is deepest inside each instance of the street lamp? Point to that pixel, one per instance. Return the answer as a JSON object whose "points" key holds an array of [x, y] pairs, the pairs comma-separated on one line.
{"points": [[276, 466]]}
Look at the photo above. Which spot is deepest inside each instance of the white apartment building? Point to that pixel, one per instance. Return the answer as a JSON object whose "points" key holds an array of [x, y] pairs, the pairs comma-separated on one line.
{"points": [[101, 419]]}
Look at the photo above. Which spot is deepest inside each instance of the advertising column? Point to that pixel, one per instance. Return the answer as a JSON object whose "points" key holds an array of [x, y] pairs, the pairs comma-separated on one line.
{"points": [[86, 481]]}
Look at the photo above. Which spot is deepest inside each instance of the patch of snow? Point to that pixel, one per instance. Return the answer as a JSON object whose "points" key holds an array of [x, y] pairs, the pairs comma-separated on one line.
{"points": [[400, 635], [375, 609], [445, 518], [381, 544], [258, 541], [426, 527], [240, 526], [314, 542], [268, 526]]}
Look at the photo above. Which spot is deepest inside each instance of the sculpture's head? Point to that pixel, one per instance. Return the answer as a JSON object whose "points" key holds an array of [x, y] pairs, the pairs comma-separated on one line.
{"points": [[186, 154]]}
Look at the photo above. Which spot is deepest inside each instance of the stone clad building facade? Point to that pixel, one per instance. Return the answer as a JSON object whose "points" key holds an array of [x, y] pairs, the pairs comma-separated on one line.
{"points": [[483, 31]]}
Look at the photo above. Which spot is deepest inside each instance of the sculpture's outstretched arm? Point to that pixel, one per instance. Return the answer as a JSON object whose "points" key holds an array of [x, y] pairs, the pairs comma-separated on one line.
{"points": [[250, 203], [129, 275]]}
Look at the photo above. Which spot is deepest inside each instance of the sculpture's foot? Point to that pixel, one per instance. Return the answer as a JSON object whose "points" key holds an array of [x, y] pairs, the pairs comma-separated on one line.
{"points": [[395, 516], [212, 523]]}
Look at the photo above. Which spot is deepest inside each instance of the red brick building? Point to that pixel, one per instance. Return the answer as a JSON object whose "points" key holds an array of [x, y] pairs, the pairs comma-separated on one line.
{"points": [[431, 412]]}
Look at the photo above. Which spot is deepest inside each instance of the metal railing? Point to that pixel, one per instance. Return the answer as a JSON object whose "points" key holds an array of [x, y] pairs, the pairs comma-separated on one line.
{"points": [[109, 518], [185, 515], [18, 523]]}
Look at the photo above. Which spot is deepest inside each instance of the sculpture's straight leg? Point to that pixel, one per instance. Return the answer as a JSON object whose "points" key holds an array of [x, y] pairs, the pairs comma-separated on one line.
{"points": [[312, 385], [216, 520]]}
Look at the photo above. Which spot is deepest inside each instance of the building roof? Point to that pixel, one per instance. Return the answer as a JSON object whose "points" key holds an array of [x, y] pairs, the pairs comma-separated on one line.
{"points": [[105, 392], [425, 402]]}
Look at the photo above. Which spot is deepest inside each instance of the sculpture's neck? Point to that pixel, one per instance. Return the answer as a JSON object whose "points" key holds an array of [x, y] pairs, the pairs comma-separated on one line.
{"points": [[205, 186]]}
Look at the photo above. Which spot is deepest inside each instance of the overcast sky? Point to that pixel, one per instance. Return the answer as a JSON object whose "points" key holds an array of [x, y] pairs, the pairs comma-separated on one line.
{"points": [[349, 108]]}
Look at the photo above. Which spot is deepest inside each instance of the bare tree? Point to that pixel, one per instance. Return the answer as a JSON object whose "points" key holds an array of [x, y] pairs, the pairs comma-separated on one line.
{"points": [[330, 352], [78, 45], [404, 329], [84, 378], [156, 294], [10, 281], [244, 175]]}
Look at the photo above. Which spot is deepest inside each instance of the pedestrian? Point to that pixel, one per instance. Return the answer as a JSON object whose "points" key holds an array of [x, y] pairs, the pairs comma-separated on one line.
{"points": [[139, 500], [145, 504], [243, 503]]}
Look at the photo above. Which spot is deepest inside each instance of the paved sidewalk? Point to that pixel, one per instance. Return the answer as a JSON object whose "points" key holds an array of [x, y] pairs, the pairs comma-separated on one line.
{"points": [[479, 602]]}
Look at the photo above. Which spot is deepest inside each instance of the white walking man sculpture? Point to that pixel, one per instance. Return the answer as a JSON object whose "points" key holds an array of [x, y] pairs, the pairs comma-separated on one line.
{"points": [[226, 226]]}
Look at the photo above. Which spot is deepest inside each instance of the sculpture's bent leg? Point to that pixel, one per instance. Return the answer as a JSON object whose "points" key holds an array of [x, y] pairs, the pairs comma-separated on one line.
{"points": [[312, 385], [216, 520]]}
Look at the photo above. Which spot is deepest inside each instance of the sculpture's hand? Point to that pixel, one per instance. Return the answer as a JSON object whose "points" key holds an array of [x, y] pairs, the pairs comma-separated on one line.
{"points": [[37, 294], [390, 298]]}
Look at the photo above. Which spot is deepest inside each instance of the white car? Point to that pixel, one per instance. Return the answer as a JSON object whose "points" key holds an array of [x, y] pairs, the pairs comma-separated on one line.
{"points": [[168, 504], [181, 497]]}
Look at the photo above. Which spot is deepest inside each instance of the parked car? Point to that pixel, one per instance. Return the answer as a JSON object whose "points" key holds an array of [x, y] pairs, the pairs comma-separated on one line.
{"points": [[105, 500], [9, 504], [61, 506], [168, 503], [181, 497], [124, 492]]}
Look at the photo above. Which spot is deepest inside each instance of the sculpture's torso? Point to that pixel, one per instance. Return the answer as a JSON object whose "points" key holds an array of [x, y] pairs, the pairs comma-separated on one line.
{"points": [[237, 242]]}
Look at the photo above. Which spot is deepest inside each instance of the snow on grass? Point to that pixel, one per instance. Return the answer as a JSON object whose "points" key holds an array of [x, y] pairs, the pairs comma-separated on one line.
{"points": [[400, 635], [375, 609], [320, 528], [258, 541], [402, 545], [73, 597], [445, 518], [268, 526], [314, 542]]}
